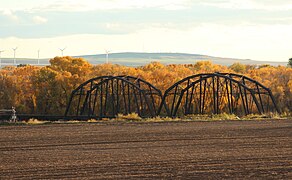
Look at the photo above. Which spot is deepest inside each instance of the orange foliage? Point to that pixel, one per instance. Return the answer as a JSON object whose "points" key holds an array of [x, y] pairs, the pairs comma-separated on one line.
{"points": [[45, 90]]}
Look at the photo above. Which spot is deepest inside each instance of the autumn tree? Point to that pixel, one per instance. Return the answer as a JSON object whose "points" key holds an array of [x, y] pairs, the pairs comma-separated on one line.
{"points": [[26, 99], [70, 72], [16, 88], [7, 88], [46, 90], [238, 68], [75, 66]]}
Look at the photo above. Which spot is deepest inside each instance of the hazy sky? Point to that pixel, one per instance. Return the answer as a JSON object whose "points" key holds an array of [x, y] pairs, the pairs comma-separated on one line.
{"points": [[248, 29]]}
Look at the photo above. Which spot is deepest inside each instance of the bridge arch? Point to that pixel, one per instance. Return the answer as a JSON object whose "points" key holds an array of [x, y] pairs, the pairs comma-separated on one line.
{"points": [[213, 93], [108, 96]]}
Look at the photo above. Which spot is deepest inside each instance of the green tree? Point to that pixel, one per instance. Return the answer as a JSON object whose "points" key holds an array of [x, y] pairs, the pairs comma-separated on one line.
{"points": [[238, 67], [290, 63]]}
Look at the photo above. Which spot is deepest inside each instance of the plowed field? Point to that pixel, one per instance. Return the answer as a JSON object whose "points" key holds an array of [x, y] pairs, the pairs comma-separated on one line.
{"points": [[221, 149]]}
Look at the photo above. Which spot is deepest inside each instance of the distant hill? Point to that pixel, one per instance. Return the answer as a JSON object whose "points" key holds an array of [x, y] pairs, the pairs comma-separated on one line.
{"points": [[138, 59]]}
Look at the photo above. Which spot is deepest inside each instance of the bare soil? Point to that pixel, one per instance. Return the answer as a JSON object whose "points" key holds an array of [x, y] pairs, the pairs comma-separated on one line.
{"points": [[179, 150]]}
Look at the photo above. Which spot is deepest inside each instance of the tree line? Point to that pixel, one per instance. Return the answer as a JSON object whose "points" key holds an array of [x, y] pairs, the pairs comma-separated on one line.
{"points": [[46, 90]]}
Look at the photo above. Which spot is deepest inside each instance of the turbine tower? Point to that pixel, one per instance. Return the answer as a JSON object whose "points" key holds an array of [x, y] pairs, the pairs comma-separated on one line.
{"points": [[1, 51], [14, 52], [39, 56], [106, 54], [62, 51]]}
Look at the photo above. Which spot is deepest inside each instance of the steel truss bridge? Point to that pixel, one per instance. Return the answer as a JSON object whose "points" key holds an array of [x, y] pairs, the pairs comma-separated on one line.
{"points": [[209, 93], [108, 96]]}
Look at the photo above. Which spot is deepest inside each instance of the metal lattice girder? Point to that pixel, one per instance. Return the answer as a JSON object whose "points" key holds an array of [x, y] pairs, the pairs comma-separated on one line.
{"points": [[108, 96], [213, 93], [263, 94], [208, 93], [77, 96]]}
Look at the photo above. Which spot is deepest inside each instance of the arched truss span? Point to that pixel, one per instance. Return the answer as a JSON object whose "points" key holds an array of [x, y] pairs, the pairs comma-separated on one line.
{"points": [[108, 96], [214, 93]]}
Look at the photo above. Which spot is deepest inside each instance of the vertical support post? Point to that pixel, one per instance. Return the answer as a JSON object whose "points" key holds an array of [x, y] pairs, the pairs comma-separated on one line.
{"points": [[117, 91], [231, 96], [228, 96], [178, 103], [141, 99], [163, 104], [89, 99], [186, 100], [94, 101], [129, 98], [106, 97], [69, 104], [217, 94], [274, 102], [245, 95], [200, 103], [214, 95], [153, 100], [256, 102], [243, 99], [124, 97], [260, 97], [79, 101], [136, 101], [173, 100], [100, 103], [113, 98], [152, 113], [84, 104], [204, 95], [191, 98]]}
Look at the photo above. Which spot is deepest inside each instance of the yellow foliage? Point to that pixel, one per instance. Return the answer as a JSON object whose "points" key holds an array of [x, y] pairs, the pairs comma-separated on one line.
{"points": [[132, 116], [45, 90], [33, 121]]}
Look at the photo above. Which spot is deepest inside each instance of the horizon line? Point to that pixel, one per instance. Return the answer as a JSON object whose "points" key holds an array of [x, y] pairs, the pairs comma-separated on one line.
{"points": [[137, 52]]}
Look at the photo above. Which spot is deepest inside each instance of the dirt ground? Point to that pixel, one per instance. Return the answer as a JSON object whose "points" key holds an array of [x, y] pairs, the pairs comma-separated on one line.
{"points": [[179, 150]]}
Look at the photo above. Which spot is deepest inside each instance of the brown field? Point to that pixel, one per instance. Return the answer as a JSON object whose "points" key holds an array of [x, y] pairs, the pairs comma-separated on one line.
{"points": [[217, 149]]}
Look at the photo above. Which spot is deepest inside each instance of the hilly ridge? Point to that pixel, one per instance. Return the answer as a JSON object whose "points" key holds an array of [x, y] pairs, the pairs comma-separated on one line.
{"points": [[139, 59]]}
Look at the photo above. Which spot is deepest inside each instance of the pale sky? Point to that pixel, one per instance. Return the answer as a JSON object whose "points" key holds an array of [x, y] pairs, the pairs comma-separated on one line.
{"points": [[247, 29]]}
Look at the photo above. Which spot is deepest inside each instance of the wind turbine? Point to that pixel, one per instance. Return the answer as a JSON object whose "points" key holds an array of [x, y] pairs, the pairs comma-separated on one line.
{"points": [[14, 50], [107, 52], [1, 51], [39, 56], [62, 50]]}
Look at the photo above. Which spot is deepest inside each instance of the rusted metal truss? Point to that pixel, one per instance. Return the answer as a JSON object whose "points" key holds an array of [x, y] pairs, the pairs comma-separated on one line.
{"points": [[214, 93], [209, 93], [108, 96]]}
